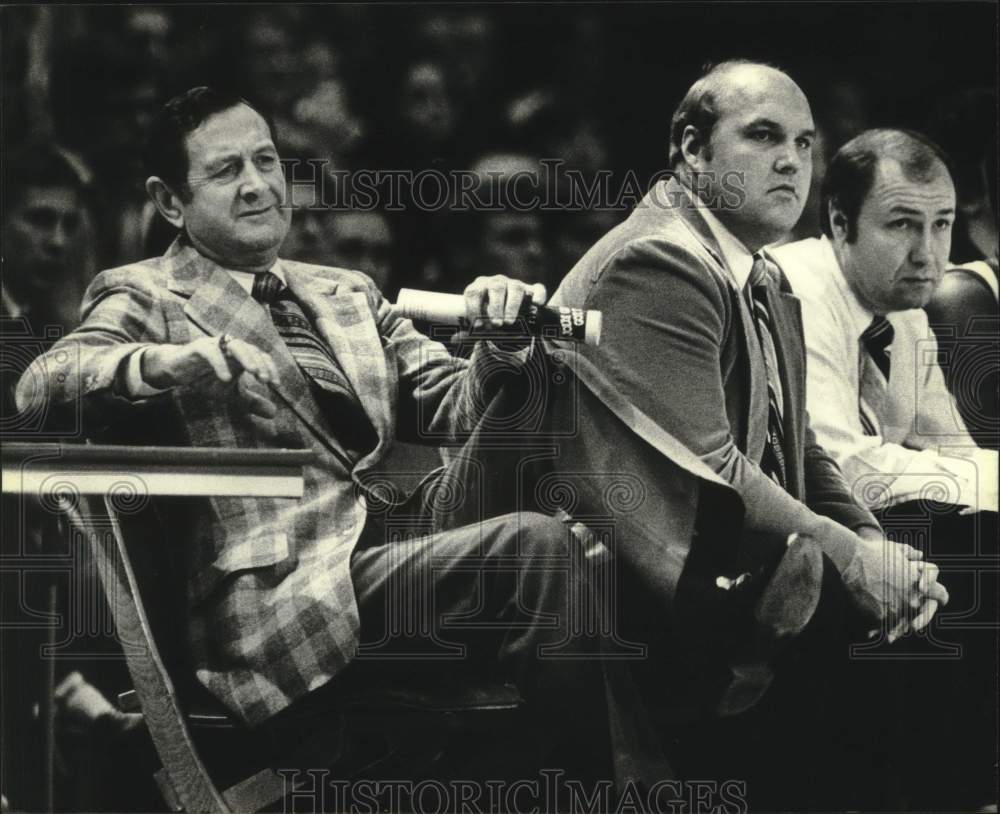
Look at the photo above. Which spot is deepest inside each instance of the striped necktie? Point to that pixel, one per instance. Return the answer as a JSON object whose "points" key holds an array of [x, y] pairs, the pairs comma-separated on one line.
{"points": [[317, 363], [875, 367], [773, 461]]}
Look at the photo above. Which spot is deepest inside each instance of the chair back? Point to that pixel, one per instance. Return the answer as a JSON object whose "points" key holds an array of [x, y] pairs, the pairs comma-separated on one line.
{"points": [[131, 575]]}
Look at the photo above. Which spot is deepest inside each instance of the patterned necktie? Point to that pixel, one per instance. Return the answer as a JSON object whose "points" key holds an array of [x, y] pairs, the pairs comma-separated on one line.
{"points": [[875, 367], [317, 363], [773, 461], [308, 350]]}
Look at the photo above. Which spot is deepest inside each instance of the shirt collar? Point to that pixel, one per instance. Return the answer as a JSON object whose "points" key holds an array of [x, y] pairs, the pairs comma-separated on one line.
{"points": [[737, 256], [246, 278], [860, 316]]}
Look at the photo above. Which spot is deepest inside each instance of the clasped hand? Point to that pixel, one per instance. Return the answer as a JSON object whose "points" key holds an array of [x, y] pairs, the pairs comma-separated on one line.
{"points": [[893, 584]]}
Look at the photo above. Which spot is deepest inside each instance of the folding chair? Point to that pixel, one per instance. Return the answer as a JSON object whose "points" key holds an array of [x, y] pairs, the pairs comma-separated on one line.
{"points": [[388, 725]]}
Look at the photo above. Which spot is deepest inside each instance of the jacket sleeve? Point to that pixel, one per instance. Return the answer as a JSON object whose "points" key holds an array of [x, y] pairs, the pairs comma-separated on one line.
{"points": [[441, 397], [120, 315], [664, 351]]}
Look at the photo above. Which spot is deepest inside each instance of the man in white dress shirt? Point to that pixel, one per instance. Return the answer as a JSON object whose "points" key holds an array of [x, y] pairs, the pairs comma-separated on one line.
{"points": [[897, 437], [878, 403]]}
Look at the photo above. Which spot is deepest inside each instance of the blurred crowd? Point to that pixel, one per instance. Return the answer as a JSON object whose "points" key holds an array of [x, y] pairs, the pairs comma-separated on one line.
{"points": [[441, 101]]}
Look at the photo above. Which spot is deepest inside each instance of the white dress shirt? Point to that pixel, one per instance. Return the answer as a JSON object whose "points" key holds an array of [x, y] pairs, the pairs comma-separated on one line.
{"points": [[923, 449], [736, 256]]}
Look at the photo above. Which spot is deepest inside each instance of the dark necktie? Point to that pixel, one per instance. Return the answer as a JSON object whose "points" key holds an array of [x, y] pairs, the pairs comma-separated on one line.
{"points": [[875, 367], [876, 338], [773, 461], [316, 361]]}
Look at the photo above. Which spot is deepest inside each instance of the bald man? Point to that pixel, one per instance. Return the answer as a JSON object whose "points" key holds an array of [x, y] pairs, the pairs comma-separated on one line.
{"points": [[702, 334], [674, 281]]}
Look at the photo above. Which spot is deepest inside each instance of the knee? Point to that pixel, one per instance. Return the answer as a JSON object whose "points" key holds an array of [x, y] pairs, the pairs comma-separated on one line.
{"points": [[531, 535]]}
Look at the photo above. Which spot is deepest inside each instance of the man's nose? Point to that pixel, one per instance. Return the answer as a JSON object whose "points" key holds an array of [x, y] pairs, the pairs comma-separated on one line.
{"points": [[310, 226], [57, 238], [789, 161], [921, 251], [254, 185]]}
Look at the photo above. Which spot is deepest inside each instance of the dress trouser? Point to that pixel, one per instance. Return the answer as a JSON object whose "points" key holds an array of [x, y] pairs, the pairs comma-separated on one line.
{"points": [[511, 598], [943, 682]]}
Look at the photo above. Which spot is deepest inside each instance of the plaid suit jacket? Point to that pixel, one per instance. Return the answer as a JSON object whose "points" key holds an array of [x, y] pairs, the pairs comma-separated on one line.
{"points": [[271, 605]]}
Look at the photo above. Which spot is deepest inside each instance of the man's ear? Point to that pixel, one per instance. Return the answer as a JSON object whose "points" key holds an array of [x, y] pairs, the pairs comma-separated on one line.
{"points": [[838, 222], [168, 204], [693, 147]]}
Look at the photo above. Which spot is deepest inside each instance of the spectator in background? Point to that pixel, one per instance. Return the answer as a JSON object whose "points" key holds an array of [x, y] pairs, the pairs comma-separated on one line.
{"points": [[965, 127], [362, 240], [420, 138], [464, 43], [324, 126], [964, 315], [45, 246], [502, 229], [426, 110], [358, 240], [104, 121], [43, 238]]}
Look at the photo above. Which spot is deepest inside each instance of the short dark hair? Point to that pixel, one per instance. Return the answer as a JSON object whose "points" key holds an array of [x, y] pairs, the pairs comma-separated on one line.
{"points": [[699, 107], [165, 153], [40, 164], [851, 172]]}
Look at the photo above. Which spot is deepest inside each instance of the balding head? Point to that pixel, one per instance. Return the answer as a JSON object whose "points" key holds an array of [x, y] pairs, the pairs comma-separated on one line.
{"points": [[742, 142], [719, 88]]}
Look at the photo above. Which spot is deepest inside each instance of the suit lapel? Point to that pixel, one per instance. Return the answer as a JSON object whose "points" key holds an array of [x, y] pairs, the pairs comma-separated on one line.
{"points": [[786, 327], [343, 317], [786, 318], [756, 372], [219, 305]]}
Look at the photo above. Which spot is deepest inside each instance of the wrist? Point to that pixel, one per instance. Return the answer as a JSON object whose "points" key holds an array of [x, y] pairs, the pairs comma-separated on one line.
{"points": [[838, 543], [152, 370], [870, 534]]}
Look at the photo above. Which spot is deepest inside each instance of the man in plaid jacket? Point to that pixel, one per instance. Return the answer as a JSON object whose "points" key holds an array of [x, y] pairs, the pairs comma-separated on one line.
{"points": [[189, 349]]}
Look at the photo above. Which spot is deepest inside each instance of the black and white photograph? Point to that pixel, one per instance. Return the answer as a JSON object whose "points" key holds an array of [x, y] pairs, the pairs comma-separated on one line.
{"points": [[499, 408]]}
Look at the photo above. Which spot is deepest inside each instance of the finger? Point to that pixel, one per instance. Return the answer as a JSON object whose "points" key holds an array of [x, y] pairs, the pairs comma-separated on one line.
{"points": [[928, 577], [253, 360], [938, 592], [515, 296], [474, 297], [256, 401], [496, 299], [898, 631], [217, 363], [272, 368], [68, 684], [459, 337], [538, 294], [925, 616]]}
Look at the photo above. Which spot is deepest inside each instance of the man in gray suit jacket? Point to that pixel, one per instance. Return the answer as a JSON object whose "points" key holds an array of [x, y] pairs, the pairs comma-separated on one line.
{"points": [[703, 335], [682, 336]]}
